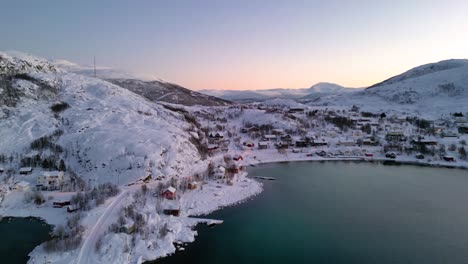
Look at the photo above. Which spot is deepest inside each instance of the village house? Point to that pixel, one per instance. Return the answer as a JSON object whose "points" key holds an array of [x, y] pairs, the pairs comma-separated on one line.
{"points": [[269, 138], [448, 134], [318, 142], [346, 142], [237, 157], [296, 110], [301, 143], [192, 185], [61, 204], [21, 186], [449, 158], [2, 170], [286, 138], [216, 135], [395, 136], [249, 144], [213, 147], [25, 170], [277, 131], [262, 145], [220, 172], [169, 193], [171, 208], [463, 129], [50, 180], [72, 208]]}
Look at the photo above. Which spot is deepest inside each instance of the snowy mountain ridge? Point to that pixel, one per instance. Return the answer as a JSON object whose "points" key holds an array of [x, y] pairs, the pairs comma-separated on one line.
{"points": [[151, 88], [424, 70], [436, 88], [281, 93]]}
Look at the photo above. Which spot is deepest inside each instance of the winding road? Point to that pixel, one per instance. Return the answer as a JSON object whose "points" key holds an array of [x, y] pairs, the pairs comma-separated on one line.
{"points": [[88, 246]]}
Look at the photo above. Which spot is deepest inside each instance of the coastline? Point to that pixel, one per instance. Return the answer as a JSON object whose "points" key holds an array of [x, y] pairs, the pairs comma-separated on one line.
{"points": [[205, 204]]}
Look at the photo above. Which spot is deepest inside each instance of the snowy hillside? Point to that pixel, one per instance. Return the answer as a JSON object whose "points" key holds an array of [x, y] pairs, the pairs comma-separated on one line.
{"points": [[261, 95], [105, 132], [436, 88], [424, 70], [150, 88], [167, 92]]}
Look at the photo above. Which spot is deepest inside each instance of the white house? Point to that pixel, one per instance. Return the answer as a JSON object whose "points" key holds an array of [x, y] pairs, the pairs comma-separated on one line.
{"points": [[220, 172], [22, 186], [51, 180]]}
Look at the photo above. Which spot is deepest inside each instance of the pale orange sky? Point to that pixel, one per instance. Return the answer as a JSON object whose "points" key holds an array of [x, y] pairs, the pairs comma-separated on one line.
{"points": [[243, 44]]}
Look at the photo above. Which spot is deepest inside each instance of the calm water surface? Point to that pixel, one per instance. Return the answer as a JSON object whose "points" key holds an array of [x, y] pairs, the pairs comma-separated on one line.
{"points": [[19, 236], [338, 212]]}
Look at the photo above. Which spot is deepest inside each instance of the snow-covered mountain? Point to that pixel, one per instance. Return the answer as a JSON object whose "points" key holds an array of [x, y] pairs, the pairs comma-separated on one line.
{"points": [[102, 131], [168, 92], [316, 90], [440, 87], [150, 88]]}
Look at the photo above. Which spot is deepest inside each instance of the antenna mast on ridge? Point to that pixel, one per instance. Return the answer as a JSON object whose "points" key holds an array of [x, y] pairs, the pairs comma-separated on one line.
{"points": [[94, 66]]}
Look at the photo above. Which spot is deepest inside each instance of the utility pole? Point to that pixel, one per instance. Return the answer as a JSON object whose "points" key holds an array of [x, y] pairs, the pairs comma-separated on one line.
{"points": [[94, 58]]}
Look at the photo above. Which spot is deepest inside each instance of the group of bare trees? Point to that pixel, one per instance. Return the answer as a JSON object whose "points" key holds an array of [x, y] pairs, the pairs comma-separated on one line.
{"points": [[66, 237]]}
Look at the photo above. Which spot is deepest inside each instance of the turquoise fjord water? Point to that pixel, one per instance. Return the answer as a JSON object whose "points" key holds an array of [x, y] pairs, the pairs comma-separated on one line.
{"points": [[342, 212], [19, 236]]}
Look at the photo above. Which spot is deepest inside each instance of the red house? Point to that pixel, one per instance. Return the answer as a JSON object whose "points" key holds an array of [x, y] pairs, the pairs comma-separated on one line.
{"points": [[238, 157], [169, 193]]}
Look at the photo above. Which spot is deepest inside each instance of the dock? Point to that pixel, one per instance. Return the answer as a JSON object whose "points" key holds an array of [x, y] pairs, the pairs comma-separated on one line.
{"points": [[265, 178]]}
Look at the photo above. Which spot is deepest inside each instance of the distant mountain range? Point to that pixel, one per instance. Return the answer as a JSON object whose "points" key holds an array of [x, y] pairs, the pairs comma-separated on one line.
{"points": [[317, 90]]}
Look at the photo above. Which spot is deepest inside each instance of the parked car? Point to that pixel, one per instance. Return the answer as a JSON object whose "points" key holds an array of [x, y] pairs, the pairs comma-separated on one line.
{"points": [[420, 156], [309, 155], [390, 155]]}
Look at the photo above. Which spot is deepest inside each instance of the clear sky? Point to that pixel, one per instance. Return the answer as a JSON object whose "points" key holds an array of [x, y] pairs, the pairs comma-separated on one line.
{"points": [[242, 44]]}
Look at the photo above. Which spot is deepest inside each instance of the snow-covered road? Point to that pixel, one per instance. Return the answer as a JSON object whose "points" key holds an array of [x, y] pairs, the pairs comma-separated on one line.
{"points": [[87, 248]]}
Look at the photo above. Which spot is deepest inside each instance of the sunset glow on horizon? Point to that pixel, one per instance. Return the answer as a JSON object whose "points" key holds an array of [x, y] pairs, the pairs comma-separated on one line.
{"points": [[244, 44]]}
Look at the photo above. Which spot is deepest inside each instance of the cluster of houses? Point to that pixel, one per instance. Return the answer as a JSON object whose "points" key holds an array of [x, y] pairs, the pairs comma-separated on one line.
{"points": [[391, 135], [46, 181]]}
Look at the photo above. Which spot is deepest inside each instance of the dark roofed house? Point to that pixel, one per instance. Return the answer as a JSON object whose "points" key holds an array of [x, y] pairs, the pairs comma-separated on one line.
{"points": [[25, 170], [237, 157]]}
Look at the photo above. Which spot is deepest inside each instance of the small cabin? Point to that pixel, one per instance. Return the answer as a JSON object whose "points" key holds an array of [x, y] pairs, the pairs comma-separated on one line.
{"points": [[192, 185], [238, 157], [171, 208], [262, 145], [25, 170], [169, 193], [212, 147], [61, 204], [269, 137], [301, 144], [249, 144], [72, 208]]}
